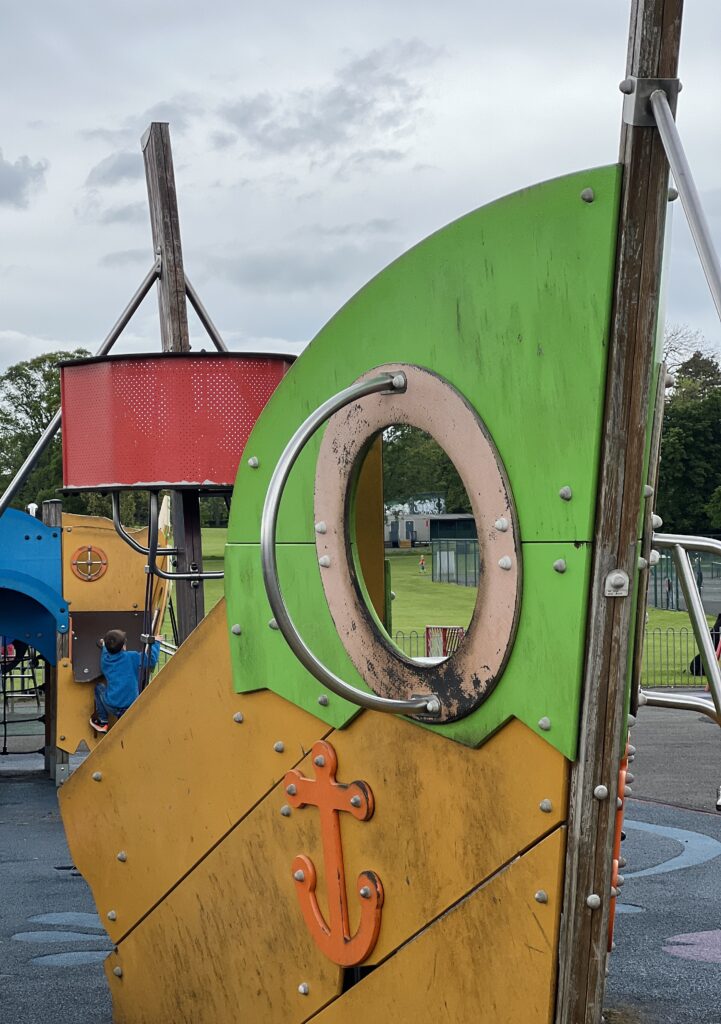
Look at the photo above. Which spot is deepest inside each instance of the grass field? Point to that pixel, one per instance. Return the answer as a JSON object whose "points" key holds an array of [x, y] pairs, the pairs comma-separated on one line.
{"points": [[670, 644]]}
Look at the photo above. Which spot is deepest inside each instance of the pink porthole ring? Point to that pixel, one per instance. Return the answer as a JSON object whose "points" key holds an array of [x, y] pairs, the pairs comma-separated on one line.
{"points": [[431, 403]]}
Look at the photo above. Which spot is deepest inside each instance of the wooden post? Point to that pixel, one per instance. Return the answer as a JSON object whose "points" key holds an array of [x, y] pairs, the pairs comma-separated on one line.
{"points": [[653, 53], [56, 760], [174, 336]]}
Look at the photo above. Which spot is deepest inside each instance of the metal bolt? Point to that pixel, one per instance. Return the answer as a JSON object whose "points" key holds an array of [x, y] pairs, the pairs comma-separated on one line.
{"points": [[672, 194], [620, 881], [304, 988], [86, 671], [285, 811], [62, 737], [630, 777], [253, 462], [273, 624], [291, 789], [279, 746], [617, 581], [399, 381], [324, 561], [622, 862], [112, 916], [642, 563], [505, 562], [654, 558], [627, 791], [560, 565], [323, 700], [235, 629], [299, 875], [669, 380], [546, 806], [365, 892], [647, 491], [501, 524], [321, 527], [355, 801], [319, 761], [593, 901], [122, 856], [656, 521], [544, 723], [433, 706], [630, 749], [238, 717], [631, 720], [118, 972], [588, 195], [565, 494], [627, 86], [541, 896], [615, 891], [601, 792], [619, 803], [97, 776]]}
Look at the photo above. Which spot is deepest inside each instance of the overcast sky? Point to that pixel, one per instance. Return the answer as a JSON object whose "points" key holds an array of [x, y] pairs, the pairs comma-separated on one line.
{"points": [[313, 143]]}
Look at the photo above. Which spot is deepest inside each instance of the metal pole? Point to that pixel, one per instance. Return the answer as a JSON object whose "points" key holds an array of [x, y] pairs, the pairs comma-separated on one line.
{"points": [[689, 195], [700, 626], [204, 317], [52, 428]]}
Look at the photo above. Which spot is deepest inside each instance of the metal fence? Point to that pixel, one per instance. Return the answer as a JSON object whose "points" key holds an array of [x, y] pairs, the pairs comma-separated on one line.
{"points": [[668, 655], [664, 590], [456, 561]]}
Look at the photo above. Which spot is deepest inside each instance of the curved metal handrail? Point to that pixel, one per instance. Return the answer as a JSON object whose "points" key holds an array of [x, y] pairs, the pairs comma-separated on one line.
{"points": [[130, 541], [153, 551], [388, 382], [679, 545]]}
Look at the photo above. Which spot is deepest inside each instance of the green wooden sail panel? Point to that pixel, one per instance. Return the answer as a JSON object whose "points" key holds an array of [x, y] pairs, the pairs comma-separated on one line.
{"points": [[511, 304]]}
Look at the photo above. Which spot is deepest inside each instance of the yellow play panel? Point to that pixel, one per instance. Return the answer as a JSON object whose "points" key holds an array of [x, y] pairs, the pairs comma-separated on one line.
{"points": [[489, 960], [176, 773]]}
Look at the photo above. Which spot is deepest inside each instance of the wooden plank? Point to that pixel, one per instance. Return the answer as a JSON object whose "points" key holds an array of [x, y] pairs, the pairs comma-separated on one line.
{"points": [[174, 336], [653, 52], [489, 960]]}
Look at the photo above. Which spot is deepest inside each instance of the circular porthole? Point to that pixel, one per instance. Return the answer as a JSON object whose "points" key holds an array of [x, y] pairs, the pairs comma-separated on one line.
{"points": [[89, 563], [464, 674]]}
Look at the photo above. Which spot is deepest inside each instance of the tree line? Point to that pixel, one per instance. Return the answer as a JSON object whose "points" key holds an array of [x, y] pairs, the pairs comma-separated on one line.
{"points": [[414, 464]]}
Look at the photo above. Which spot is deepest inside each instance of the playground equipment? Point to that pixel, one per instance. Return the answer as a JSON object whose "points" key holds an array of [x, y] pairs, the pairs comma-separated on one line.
{"points": [[345, 834]]}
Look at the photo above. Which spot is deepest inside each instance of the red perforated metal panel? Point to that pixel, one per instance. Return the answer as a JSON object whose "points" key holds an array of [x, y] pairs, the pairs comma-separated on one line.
{"points": [[165, 419]]}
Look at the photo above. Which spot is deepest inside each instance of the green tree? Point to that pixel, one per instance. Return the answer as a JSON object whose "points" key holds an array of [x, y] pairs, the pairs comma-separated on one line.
{"points": [[415, 464], [29, 398]]}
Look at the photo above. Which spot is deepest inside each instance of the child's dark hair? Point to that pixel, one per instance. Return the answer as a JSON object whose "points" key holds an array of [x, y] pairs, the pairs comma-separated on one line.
{"points": [[114, 640]]}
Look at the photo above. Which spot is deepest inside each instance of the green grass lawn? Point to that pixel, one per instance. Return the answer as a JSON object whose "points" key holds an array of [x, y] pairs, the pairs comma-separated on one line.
{"points": [[420, 602]]}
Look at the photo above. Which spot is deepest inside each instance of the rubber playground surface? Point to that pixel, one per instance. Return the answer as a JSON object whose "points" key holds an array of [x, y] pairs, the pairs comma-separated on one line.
{"points": [[666, 968]]}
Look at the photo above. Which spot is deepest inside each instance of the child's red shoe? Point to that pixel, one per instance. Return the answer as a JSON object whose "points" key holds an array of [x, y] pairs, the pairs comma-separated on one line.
{"points": [[97, 724]]}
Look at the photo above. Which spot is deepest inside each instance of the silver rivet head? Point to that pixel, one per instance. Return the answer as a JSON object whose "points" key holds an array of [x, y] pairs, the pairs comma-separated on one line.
{"points": [[601, 792], [321, 527], [588, 195], [565, 494], [505, 562], [238, 717], [560, 565], [355, 801], [399, 381], [112, 916], [627, 791], [630, 749], [541, 896], [291, 789], [97, 776], [299, 875], [631, 721], [323, 700], [656, 521], [630, 776], [619, 803], [365, 892], [672, 194], [620, 881], [654, 558], [433, 706], [544, 723], [285, 811], [546, 806], [501, 524], [279, 746], [304, 988], [647, 491], [669, 380], [253, 462], [627, 86], [273, 624], [319, 761], [118, 972], [122, 856], [593, 901], [622, 862], [235, 629], [324, 561], [642, 563]]}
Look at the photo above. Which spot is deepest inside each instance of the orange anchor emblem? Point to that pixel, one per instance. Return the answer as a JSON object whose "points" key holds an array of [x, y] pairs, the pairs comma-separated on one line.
{"points": [[331, 797]]}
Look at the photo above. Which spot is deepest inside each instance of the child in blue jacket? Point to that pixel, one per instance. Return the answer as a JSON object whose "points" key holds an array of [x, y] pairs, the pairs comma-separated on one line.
{"points": [[121, 669]]}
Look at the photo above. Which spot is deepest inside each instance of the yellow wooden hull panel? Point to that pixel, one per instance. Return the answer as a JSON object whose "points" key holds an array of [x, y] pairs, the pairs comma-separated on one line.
{"points": [[177, 773]]}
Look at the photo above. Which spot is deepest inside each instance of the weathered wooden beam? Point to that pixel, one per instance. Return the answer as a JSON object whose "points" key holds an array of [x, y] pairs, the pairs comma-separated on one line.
{"points": [[653, 53], [165, 222]]}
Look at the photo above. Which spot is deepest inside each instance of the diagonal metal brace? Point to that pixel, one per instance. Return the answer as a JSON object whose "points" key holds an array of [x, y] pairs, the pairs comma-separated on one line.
{"points": [[637, 98]]}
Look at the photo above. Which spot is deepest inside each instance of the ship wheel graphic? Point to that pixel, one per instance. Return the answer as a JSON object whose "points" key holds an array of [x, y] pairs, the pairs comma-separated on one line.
{"points": [[89, 563]]}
